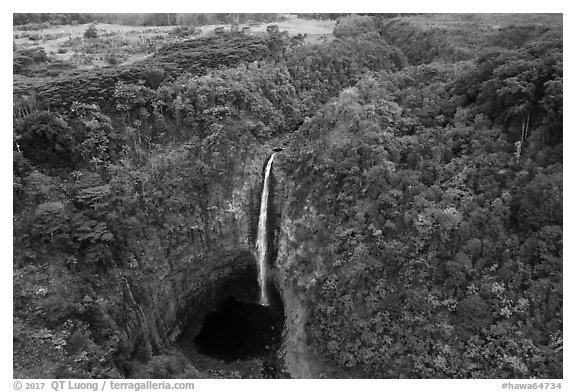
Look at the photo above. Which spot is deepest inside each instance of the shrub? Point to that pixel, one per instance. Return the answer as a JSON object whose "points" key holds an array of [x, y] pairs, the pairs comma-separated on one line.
{"points": [[50, 223], [91, 32], [354, 25], [24, 58], [184, 31], [112, 59], [78, 341], [272, 30]]}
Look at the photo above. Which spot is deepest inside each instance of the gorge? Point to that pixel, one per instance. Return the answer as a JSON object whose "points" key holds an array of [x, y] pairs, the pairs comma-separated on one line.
{"points": [[382, 199], [238, 328], [210, 308]]}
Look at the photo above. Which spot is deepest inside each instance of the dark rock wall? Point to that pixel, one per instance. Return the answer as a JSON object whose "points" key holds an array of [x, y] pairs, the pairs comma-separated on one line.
{"points": [[300, 359], [181, 290], [175, 288]]}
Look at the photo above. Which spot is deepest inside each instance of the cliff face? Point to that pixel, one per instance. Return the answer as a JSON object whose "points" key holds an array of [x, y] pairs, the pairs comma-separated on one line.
{"points": [[176, 287], [177, 292], [298, 352]]}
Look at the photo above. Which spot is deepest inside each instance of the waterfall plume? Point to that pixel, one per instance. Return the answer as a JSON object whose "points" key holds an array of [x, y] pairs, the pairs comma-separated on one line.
{"points": [[262, 237]]}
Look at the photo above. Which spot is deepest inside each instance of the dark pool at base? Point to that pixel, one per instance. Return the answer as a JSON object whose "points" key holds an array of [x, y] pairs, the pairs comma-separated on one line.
{"points": [[238, 330]]}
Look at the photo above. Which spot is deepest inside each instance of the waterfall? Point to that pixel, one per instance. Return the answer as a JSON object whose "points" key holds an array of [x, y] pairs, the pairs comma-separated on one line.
{"points": [[262, 239]]}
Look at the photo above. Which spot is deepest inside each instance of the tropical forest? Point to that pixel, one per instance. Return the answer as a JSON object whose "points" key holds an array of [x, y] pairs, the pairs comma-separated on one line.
{"points": [[226, 196]]}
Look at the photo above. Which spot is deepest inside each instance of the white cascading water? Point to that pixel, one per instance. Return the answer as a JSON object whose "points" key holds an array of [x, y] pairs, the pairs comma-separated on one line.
{"points": [[262, 238]]}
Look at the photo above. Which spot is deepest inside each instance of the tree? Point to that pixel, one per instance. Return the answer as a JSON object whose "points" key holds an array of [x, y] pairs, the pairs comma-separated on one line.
{"points": [[46, 138], [51, 223]]}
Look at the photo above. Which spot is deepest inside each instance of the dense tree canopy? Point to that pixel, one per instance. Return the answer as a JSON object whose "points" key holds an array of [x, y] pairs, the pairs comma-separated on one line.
{"points": [[427, 205]]}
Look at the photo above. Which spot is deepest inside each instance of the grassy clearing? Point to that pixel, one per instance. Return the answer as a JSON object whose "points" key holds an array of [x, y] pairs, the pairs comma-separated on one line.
{"points": [[120, 44], [125, 43]]}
